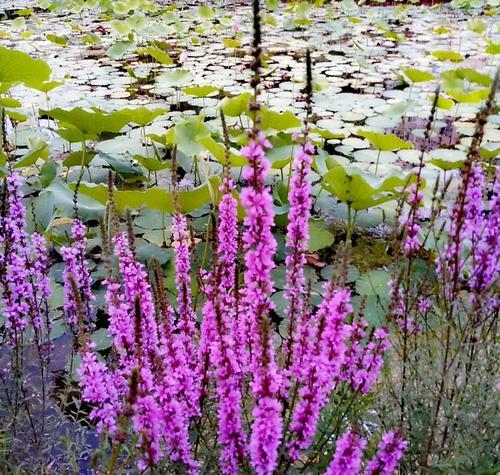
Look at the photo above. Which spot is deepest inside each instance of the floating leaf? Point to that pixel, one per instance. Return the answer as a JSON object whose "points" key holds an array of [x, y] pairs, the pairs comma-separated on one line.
{"points": [[18, 67], [58, 40], [417, 75], [142, 116], [152, 164], [200, 91], [175, 77], [278, 120], [156, 53], [86, 125], [319, 238], [384, 142], [235, 106], [471, 97], [448, 55], [118, 49], [231, 43]]}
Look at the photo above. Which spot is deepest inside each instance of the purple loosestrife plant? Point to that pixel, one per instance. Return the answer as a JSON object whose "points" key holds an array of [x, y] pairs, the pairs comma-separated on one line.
{"points": [[348, 455], [186, 316], [323, 365], [389, 454], [158, 406], [77, 278], [219, 331], [260, 246], [23, 269], [300, 201]]}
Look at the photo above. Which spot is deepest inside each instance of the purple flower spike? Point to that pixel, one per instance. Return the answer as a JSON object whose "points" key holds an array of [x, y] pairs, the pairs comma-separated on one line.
{"points": [[348, 455]]}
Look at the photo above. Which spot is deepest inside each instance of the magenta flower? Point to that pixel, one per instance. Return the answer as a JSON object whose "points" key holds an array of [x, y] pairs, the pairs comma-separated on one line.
{"points": [[390, 452], [299, 197], [218, 335], [323, 366], [260, 246], [348, 454], [99, 389], [77, 269], [23, 268], [186, 324]]}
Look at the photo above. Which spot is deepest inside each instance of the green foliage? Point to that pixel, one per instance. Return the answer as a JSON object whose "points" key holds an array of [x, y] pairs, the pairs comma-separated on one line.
{"points": [[417, 75], [18, 67], [448, 55], [384, 142], [362, 190], [78, 124]]}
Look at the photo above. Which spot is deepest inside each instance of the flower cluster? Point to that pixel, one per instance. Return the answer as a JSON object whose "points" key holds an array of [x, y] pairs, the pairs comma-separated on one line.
{"points": [[23, 268], [77, 281], [349, 454], [156, 400], [471, 255], [167, 367]]}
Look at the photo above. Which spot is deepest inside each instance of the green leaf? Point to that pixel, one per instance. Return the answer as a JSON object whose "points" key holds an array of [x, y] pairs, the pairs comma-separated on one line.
{"points": [[231, 43], [152, 164], [447, 164], [237, 105], [75, 158], [47, 86], [443, 102], [142, 116], [48, 172], [159, 55], [155, 198], [468, 74], [120, 28], [101, 339], [88, 208], [492, 48], [326, 134], [9, 102], [278, 121], [373, 283], [90, 124], [206, 12], [175, 77], [417, 75], [38, 148], [18, 67], [319, 238], [448, 55], [471, 97], [118, 49], [362, 190], [218, 151], [384, 142], [58, 40], [200, 91], [442, 30], [280, 156], [188, 133], [120, 166], [476, 25], [44, 209]]}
